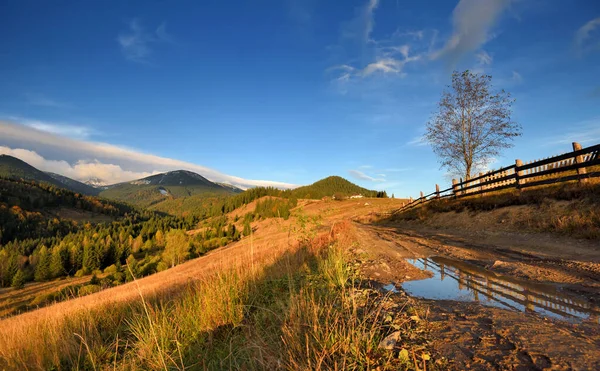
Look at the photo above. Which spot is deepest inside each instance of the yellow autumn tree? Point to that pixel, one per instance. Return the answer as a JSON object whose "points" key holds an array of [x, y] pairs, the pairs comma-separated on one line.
{"points": [[177, 247]]}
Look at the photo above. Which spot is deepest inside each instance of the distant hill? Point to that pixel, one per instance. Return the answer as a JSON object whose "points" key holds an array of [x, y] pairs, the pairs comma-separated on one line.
{"points": [[154, 189], [329, 186], [14, 168], [74, 185]]}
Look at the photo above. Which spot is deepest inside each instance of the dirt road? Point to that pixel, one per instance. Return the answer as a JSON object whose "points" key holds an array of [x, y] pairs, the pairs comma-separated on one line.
{"points": [[522, 301]]}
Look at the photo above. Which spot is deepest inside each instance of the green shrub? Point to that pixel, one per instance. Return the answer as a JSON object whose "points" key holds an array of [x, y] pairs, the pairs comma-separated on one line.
{"points": [[89, 289]]}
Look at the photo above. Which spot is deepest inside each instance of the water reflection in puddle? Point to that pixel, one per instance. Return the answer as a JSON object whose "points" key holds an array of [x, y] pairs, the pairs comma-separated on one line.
{"points": [[390, 287], [455, 280]]}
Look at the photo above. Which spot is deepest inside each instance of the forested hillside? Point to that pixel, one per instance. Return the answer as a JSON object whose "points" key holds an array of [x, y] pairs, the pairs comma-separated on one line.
{"points": [[37, 245], [14, 168], [26, 209], [155, 189], [334, 185]]}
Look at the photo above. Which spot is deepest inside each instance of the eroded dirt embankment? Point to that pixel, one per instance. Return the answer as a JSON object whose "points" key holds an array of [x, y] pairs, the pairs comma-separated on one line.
{"points": [[474, 336]]}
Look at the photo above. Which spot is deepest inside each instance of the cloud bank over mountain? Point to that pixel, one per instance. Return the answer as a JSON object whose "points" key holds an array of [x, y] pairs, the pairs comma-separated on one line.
{"points": [[81, 159]]}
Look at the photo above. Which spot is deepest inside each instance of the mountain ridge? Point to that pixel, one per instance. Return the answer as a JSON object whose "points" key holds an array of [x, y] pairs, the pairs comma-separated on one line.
{"points": [[13, 167], [156, 188]]}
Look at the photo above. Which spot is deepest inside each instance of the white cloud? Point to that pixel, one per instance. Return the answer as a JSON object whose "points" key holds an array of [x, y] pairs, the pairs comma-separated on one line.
{"points": [[383, 65], [417, 141], [81, 170], [82, 159], [69, 130], [136, 43], [362, 176], [584, 33], [472, 22], [483, 58], [361, 26], [387, 65]]}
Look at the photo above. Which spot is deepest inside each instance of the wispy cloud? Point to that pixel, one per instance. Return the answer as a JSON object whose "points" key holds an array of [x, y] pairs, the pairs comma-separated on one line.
{"points": [[65, 129], [362, 176], [137, 43], [472, 22], [584, 132], [516, 77], [584, 38], [361, 26], [392, 62], [44, 101], [417, 141], [375, 58], [483, 58], [80, 158]]}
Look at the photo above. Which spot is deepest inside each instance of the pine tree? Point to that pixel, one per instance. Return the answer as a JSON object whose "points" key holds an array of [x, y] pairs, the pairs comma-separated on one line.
{"points": [[42, 268], [57, 261], [18, 280], [247, 228]]}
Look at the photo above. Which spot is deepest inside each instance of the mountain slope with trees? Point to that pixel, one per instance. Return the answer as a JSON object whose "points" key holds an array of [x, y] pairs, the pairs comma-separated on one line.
{"points": [[155, 189], [14, 168], [333, 185]]}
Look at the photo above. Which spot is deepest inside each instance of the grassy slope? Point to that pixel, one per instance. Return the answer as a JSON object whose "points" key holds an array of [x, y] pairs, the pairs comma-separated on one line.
{"points": [[571, 209], [262, 303]]}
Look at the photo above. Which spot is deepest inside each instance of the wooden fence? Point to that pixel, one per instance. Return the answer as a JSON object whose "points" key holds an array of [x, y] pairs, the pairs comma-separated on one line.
{"points": [[563, 168]]}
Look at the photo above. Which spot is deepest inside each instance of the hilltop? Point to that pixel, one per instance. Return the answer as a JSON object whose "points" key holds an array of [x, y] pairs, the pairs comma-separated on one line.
{"points": [[329, 186], [14, 168], [155, 189]]}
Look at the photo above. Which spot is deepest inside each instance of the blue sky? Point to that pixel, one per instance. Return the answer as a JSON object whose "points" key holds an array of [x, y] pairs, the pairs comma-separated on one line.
{"points": [[284, 91]]}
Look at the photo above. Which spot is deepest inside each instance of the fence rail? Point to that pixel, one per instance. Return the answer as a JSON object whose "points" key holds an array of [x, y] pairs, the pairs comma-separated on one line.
{"points": [[557, 169]]}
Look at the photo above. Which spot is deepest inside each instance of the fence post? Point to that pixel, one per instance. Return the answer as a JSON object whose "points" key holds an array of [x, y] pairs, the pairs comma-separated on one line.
{"points": [[437, 191], [421, 198], [455, 187], [579, 160], [410, 200], [480, 181], [518, 173]]}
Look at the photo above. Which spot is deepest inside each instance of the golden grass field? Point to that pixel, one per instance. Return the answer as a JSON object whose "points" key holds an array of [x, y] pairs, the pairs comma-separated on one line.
{"points": [[73, 333]]}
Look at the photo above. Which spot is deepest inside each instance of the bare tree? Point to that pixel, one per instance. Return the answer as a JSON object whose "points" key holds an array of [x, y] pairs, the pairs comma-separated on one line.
{"points": [[472, 124]]}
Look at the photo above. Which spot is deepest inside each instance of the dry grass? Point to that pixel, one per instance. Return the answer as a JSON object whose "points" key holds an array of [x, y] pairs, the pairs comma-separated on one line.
{"points": [[276, 305], [571, 209]]}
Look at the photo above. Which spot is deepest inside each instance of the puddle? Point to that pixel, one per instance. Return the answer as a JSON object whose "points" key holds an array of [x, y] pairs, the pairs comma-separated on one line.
{"points": [[390, 287], [455, 280]]}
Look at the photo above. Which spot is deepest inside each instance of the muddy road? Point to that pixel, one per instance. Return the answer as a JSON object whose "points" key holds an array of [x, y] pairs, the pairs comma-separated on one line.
{"points": [[494, 301]]}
